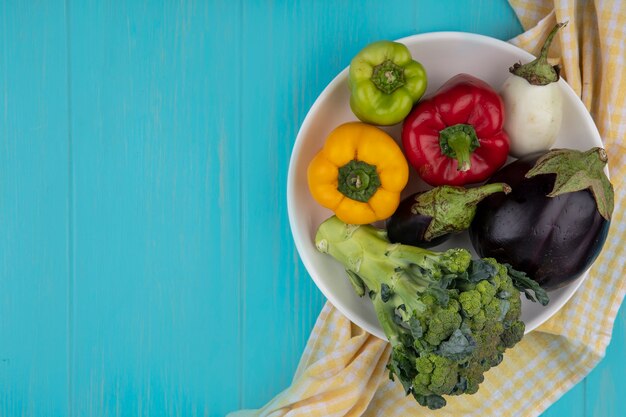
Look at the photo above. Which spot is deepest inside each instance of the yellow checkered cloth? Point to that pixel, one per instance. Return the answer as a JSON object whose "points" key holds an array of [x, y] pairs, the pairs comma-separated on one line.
{"points": [[342, 371]]}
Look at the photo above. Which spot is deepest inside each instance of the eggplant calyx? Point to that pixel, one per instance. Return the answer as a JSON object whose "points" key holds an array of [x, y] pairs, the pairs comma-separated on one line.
{"points": [[576, 171], [452, 209], [539, 71]]}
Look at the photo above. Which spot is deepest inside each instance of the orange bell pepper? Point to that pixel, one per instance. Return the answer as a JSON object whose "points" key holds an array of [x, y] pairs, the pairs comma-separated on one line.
{"points": [[358, 174]]}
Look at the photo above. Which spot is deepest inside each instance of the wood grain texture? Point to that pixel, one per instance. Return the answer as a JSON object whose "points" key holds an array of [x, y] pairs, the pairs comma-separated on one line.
{"points": [[155, 125], [33, 210], [146, 262], [605, 391]]}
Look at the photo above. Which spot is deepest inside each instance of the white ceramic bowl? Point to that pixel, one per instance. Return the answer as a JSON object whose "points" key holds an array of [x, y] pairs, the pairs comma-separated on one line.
{"points": [[443, 54]]}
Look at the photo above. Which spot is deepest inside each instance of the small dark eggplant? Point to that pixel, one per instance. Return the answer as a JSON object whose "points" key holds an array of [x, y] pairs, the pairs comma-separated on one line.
{"points": [[429, 218], [554, 223]]}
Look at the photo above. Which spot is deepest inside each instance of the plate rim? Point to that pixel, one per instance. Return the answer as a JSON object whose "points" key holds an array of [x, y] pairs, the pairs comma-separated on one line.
{"points": [[298, 143]]}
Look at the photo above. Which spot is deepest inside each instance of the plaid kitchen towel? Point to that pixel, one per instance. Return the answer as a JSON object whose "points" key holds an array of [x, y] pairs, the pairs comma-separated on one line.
{"points": [[342, 371]]}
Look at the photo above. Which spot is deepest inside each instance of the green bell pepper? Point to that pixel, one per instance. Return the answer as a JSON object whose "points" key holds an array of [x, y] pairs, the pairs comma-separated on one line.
{"points": [[385, 82]]}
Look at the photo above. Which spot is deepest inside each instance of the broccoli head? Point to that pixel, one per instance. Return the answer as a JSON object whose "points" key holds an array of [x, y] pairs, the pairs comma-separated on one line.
{"points": [[448, 318]]}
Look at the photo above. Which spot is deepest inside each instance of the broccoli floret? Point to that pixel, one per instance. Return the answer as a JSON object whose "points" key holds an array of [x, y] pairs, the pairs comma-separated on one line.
{"points": [[455, 261], [513, 334], [515, 309], [436, 376], [434, 402], [489, 345], [441, 324], [472, 376], [477, 322], [448, 318], [470, 302], [493, 308], [487, 291]]}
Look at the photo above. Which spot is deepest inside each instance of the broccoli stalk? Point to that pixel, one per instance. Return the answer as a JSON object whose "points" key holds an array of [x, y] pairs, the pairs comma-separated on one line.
{"points": [[448, 318], [383, 266]]}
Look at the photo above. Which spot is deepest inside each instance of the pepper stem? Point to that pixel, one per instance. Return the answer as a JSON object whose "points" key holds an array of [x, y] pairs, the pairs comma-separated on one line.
{"points": [[358, 180], [459, 141], [388, 76], [539, 71]]}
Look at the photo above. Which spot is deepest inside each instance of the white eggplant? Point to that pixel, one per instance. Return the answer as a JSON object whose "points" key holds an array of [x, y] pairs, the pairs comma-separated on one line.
{"points": [[533, 104], [532, 115]]}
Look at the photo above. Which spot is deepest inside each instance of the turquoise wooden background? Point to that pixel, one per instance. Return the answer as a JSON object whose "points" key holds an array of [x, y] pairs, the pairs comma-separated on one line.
{"points": [[146, 261]]}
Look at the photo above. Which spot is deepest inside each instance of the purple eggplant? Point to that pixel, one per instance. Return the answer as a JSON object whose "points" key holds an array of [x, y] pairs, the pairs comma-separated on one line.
{"points": [[554, 223], [429, 218]]}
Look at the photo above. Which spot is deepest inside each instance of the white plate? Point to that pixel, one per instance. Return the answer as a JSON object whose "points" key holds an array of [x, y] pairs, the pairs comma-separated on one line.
{"points": [[443, 54]]}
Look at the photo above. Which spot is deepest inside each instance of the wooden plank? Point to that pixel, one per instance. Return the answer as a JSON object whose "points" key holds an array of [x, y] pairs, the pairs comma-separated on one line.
{"points": [[605, 387], [486, 17], [34, 209], [572, 404], [156, 98]]}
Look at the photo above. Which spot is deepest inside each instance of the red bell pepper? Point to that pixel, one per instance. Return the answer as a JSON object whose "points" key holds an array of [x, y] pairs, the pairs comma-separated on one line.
{"points": [[455, 137]]}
